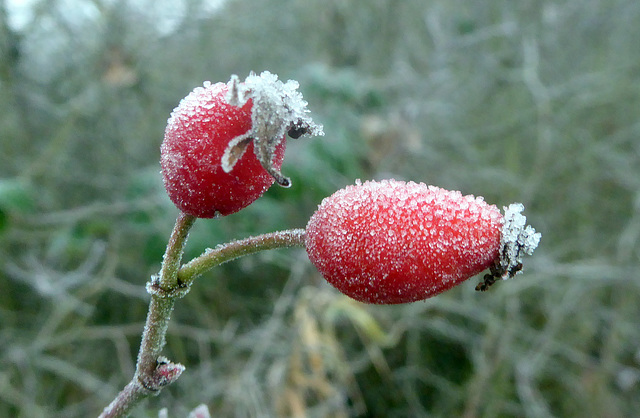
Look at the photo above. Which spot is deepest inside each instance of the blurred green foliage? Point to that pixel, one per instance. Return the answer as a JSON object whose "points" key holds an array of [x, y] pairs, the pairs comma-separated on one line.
{"points": [[534, 101]]}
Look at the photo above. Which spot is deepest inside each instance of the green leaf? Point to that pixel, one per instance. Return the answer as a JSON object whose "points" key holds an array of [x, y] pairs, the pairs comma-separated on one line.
{"points": [[16, 196]]}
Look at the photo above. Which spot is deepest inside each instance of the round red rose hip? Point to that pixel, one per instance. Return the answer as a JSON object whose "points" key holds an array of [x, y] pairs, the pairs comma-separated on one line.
{"points": [[197, 135]]}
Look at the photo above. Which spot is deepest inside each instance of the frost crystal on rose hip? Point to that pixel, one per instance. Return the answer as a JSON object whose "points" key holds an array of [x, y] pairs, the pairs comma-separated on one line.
{"points": [[394, 242], [278, 109], [224, 143]]}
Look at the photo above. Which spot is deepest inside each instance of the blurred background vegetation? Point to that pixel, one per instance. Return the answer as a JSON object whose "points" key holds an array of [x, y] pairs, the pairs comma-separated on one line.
{"points": [[535, 101]]}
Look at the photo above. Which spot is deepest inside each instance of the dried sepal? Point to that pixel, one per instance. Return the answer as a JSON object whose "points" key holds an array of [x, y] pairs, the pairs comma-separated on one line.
{"points": [[278, 109], [234, 97], [234, 151], [517, 239]]}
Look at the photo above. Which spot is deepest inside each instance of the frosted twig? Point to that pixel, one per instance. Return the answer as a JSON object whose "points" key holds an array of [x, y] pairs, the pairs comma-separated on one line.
{"points": [[153, 371], [230, 251]]}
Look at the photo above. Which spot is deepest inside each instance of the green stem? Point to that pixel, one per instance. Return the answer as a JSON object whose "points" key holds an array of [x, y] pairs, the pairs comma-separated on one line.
{"points": [[175, 249], [235, 249], [153, 372]]}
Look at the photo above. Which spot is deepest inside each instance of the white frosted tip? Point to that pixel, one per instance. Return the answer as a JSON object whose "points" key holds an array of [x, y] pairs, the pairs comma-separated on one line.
{"points": [[517, 239]]}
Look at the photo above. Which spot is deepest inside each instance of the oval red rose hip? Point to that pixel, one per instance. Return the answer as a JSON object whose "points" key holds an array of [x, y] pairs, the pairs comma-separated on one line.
{"points": [[395, 242]]}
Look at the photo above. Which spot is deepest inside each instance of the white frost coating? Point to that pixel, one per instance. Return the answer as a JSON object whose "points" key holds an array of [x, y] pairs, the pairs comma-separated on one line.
{"points": [[397, 242], [517, 239], [278, 109]]}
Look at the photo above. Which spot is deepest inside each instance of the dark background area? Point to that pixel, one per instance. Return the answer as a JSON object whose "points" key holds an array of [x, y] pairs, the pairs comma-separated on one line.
{"points": [[532, 101]]}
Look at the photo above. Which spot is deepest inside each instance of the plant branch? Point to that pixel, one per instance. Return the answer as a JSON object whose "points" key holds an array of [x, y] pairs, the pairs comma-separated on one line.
{"points": [[153, 372], [230, 251], [173, 254]]}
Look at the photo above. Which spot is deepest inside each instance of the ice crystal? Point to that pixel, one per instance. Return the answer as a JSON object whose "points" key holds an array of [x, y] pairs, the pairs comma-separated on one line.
{"points": [[517, 239], [278, 109]]}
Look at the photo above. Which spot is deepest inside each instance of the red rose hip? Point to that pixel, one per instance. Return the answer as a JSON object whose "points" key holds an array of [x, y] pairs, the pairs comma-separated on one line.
{"points": [[224, 143], [393, 242]]}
